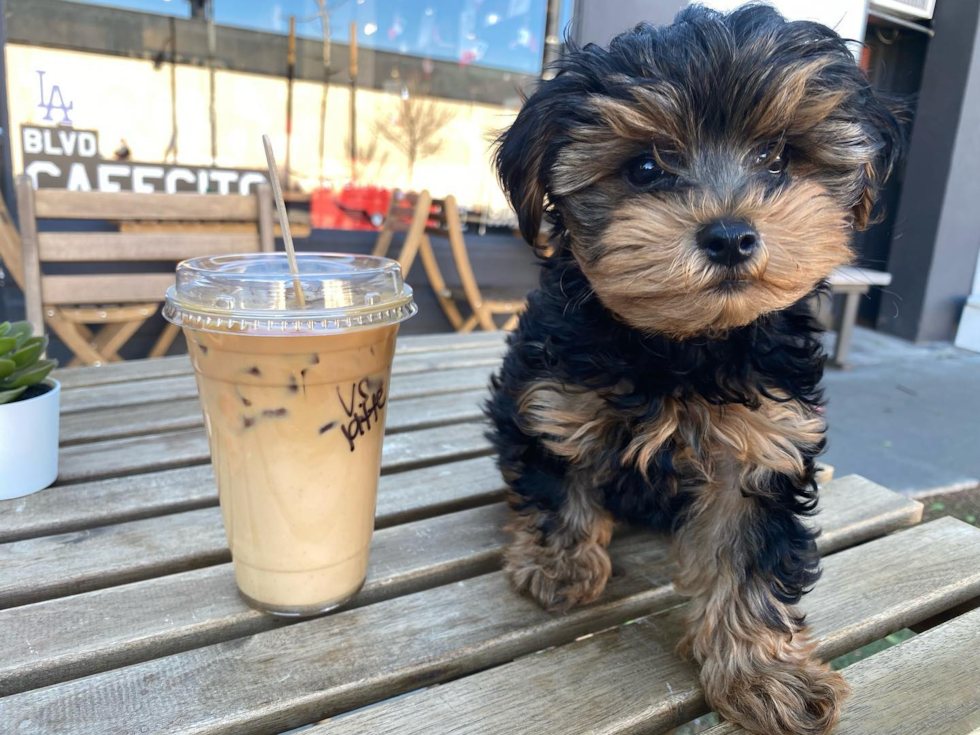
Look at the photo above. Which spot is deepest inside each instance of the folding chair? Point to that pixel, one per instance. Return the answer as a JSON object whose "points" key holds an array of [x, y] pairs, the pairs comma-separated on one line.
{"points": [[118, 304], [10, 247], [408, 212], [484, 303], [419, 216]]}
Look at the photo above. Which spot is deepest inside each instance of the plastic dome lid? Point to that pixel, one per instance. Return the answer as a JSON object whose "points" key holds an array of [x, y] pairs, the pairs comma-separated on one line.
{"points": [[255, 293]]}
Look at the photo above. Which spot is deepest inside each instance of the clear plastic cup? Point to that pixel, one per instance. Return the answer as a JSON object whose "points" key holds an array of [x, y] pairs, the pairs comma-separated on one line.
{"points": [[294, 403]]}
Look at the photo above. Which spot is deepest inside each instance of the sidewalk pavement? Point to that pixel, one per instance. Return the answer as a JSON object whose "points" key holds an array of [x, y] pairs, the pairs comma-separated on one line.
{"points": [[905, 416]]}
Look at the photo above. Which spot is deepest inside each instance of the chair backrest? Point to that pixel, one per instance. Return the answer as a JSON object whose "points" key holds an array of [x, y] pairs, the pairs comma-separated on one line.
{"points": [[10, 247], [444, 221], [401, 210], [408, 212], [116, 247]]}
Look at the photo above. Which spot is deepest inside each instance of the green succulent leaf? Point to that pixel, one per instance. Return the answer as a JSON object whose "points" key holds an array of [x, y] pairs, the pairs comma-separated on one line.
{"points": [[30, 351], [6, 396], [7, 367], [7, 344], [30, 375], [21, 331], [4, 328]]}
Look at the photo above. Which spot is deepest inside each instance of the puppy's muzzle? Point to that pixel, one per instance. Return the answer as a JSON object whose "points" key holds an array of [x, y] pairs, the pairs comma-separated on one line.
{"points": [[728, 241]]}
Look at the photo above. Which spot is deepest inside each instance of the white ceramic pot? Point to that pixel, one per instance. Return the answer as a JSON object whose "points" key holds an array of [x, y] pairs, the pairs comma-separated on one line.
{"points": [[29, 443]]}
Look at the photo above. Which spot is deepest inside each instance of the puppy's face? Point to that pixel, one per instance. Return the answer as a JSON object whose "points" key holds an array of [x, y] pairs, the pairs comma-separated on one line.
{"points": [[707, 173]]}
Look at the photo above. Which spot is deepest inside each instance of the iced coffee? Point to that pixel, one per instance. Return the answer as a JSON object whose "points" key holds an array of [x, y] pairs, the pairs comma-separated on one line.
{"points": [[294, 403]]}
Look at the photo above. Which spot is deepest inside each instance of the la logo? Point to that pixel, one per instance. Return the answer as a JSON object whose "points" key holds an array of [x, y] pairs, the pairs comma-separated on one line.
{"points": [[55, 101]]}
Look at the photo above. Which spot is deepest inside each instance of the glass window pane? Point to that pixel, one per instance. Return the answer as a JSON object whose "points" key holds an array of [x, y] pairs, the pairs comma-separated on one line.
{"points": [[151, 86]]}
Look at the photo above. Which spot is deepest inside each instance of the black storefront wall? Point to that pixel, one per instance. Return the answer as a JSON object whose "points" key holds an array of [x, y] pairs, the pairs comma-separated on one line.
{"points": [[937, 225], [896, 58]]}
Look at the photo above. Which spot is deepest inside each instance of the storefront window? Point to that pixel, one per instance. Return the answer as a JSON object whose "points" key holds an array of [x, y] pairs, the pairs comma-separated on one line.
{"points": [[174, 95]]}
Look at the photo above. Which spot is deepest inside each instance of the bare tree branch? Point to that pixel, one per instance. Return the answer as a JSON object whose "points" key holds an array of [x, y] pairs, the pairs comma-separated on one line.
{"points": [[413, 127]]}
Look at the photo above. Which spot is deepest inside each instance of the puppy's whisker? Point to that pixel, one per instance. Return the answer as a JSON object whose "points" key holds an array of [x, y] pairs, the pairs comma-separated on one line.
{"points": [[585, 297]]}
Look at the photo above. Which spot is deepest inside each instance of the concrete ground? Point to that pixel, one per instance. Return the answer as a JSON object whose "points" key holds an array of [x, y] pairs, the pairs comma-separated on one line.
{"points": [[906, 416]]}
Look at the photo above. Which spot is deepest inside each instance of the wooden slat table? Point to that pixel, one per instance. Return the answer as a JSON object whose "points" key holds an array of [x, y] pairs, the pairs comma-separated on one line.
{"points": [[119, 612]]}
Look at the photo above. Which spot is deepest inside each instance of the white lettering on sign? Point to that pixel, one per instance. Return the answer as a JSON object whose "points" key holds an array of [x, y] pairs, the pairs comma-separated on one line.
{"points": [[66, 158], [248, 181], [68, 139], [32, 141], [50, 147], [175, 175], [224, 179], [61, 142], [111, 169], [141, 174], [88, 145], [36, 168], [78, 178]]}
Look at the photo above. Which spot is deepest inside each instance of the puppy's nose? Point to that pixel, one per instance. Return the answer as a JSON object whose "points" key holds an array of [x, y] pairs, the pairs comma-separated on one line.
{"points": [[728, 241]]}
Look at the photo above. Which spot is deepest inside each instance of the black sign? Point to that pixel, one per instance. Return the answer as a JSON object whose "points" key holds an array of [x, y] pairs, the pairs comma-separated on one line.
{"points": [[68, 158]]}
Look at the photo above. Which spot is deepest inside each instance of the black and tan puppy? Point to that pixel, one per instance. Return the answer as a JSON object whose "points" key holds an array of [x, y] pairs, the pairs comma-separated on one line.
{"points": [[702, 180]]}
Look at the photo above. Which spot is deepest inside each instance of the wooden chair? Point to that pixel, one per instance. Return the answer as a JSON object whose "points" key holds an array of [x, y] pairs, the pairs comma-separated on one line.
{"points": [[408, 212], [122, 302], [484, 303], [10, 247], [420, 216]]}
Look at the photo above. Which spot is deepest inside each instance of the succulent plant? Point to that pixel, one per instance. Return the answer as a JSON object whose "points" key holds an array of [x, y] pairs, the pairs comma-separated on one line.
{"points": [[21, 365]]}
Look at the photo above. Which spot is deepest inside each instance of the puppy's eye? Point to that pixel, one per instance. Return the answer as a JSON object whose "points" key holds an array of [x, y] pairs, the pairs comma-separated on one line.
{"points": [[774, 160], [644, 171]]}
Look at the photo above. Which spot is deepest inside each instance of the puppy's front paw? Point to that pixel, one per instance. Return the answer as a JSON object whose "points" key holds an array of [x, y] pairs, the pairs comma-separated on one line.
{"points": [[558, 579], [784, 698]]}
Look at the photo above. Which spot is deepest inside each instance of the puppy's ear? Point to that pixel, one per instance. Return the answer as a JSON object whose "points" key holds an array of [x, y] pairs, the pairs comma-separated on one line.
{"points": [[520, 160], [887, 137]]}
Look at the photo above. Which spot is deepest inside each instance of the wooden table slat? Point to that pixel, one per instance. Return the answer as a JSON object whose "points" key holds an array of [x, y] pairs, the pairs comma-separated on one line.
{"points": [[83, 634], [446, 441], [118, 423], [49, 566], [448, 341], [448, 487], [928, 684], [129, 631], [636, 682], [120, 372], [138, 370], [138, 454], [53, 566], [301, 673], [114, 395]]}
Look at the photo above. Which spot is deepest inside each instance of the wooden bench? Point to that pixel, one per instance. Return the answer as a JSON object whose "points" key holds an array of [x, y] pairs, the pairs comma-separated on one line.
{"points": [[121, 302], [119, 612], [852, 283]]}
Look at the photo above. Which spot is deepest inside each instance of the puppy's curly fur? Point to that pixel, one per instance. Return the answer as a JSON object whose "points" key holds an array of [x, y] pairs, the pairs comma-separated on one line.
{"points": [[655, 380]]}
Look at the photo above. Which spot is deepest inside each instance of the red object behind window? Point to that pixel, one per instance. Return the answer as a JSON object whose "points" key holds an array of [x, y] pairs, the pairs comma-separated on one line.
{"points": [[352, 208]]}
